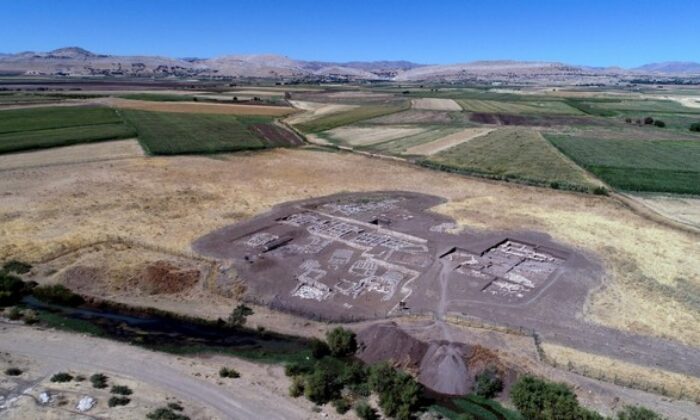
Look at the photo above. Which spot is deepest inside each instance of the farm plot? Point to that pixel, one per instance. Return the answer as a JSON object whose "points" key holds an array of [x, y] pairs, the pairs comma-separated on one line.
{"points": [[519, 107], [202, 108], [36, 128], [447, 142], [357, 114], [164, 133], [416, 116], [637, 165], [435, 104], [611, 107], [514, 154], [313, 110], [401, 145], [366, 136]]}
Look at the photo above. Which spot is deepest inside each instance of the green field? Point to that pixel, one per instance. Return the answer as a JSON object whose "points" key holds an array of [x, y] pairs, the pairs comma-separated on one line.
{"points": [[620, 107], [35, 128], [164, 133], [330, 121], [158, 97], [399, 146], [637, 165], [518, 107], [474, 407], [517, 154]]}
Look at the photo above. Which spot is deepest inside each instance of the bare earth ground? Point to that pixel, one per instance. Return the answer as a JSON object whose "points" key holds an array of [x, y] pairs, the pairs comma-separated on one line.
{"points": [[165, 203], [155, 378], [446, 142], [684, 209], [435, 104], [196, 107], [110, 150]]}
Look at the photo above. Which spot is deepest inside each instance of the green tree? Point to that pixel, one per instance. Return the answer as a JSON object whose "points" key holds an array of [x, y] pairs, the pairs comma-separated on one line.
{"points": [[399, 394], [240, 315], [322, 386], [341, 342], [659, 123], [12, 288], [695, 127], [488, 384], [537, 399], [365, 411], [319, 348]]}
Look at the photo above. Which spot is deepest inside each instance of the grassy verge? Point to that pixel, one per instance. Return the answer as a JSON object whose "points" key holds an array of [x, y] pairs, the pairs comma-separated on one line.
{"points": [[637, 165], [163, 133]]}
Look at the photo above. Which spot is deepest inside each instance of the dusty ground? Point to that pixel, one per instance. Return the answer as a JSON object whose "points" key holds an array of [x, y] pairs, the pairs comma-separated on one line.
{"points": [[681, 208], [110, 150], [196, 107], [446, 142], [435, 104], [155, 378]]}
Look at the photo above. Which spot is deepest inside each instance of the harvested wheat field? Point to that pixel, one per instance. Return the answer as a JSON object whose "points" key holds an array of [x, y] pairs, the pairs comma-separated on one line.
{"points": [[196, 107], [446, 142], [91, 152], [651, 270], [681, 208], [435, 104], [366, 136], [315, 110]]}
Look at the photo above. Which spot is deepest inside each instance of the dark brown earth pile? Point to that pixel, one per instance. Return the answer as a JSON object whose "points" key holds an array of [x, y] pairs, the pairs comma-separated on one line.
{"points": [[164, 277], [445, 367], [387, 342], [531, 120]]}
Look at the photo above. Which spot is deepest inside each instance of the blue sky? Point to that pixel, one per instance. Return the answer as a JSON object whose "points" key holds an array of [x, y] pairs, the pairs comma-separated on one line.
{"points": [[594, 32]]}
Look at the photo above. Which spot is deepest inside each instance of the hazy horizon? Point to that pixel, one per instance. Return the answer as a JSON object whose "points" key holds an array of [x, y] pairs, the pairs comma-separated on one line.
{"points": [[624, 33]]}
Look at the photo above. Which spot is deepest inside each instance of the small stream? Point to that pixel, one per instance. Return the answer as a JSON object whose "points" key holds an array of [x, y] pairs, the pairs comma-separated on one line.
{"points": [[171, 334]]}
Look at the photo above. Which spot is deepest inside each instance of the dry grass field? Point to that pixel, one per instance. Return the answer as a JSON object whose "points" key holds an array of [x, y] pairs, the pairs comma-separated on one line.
{"points": [[651, 270], [681, 208], [313, 110], [366, 136], [435, 104], [444, 143]]}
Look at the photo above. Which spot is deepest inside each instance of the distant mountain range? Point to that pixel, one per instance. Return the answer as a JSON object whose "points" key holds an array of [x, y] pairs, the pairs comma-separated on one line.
{"points": [[75, 61]]}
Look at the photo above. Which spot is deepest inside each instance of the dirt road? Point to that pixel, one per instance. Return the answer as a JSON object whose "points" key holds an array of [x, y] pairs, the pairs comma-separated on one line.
{"points": [[71, 351]]}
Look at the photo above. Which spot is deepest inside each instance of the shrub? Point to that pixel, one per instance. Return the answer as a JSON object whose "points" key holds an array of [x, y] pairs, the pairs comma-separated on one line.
{"points": [[488, 384], [13, 371], [537, 399], [365, 411], [295, 369], [659, 123], [322, 386], [225, 372], [175, 406], [648, 121], [30, 317], [399, 393], [57, 294], [600, 191], [239, 316], [116, 401], [554, 185], [165, 413], [296, 389], [14, 314], [341, 342], [695, 127], [79, 378], [341, 405], [62, 377], [99, 380], [12, 289], [319, 348], [121, 390], [14, 266], [637, 413]]}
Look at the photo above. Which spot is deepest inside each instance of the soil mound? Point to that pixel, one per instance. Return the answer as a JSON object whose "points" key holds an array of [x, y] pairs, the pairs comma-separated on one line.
{"points": [[387, 342], [444, 368], [164, 277]]}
